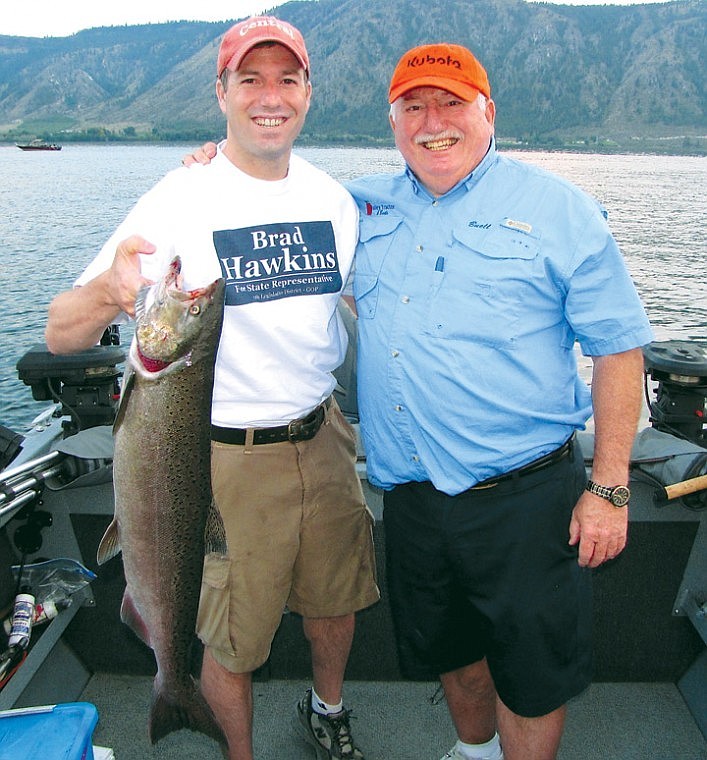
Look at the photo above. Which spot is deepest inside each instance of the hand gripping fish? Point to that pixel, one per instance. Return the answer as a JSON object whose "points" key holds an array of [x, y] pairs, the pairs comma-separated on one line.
{"points": [[164, 517]]}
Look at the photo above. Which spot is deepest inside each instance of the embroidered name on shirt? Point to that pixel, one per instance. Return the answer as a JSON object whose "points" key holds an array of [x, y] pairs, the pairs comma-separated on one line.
{"points": [[379, 209], [276, 261], [480, 225]]}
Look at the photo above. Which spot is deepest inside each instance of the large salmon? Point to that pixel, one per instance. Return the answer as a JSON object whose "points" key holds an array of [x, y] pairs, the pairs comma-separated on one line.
{"points": [[162, 483]]}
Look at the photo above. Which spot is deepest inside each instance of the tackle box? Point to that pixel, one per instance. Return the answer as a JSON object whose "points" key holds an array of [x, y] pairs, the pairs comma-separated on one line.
{"points": [[52, 732]]}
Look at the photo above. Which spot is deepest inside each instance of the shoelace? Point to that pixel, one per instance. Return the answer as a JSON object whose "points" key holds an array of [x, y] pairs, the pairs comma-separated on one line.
{"points": [[342, 733]]}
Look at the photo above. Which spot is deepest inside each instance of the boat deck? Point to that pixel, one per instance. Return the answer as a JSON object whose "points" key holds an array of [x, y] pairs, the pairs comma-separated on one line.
{"points": [[633, 710], [397, 721]]}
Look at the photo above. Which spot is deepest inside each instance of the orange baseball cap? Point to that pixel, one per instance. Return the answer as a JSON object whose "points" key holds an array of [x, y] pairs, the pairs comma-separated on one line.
{"points": [[244, 36], [449, 67]]}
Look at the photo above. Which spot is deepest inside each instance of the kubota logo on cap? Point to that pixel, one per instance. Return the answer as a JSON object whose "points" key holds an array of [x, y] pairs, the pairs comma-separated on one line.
{"points": [[430, 60]]}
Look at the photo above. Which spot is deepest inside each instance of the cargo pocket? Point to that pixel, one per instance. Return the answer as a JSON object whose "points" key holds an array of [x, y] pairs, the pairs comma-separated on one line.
{"points": [[212, 622]]}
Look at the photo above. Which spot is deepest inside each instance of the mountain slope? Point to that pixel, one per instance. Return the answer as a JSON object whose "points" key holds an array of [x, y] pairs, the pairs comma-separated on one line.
{"points": [[557, 72]]}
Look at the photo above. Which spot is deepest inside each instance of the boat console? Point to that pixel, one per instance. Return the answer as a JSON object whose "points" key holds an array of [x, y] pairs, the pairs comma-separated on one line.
{"points": [[60, 467]]}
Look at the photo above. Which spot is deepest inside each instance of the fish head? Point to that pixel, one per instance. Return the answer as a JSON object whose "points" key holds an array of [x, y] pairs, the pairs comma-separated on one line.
{"points": [[170, 321]]}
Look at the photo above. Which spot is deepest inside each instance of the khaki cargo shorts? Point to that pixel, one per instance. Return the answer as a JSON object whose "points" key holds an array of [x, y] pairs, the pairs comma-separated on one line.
{"points": [[299, 535]]}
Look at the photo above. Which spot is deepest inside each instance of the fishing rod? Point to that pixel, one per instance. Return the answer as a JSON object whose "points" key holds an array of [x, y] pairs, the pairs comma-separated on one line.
{"points": [[22, 484]]}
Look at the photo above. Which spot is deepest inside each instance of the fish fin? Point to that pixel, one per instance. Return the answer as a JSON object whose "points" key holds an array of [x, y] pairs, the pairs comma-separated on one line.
{"points": [[141, 301], [110, 544], [189, 710], [214, 532], [131, 617], [128, 383]]}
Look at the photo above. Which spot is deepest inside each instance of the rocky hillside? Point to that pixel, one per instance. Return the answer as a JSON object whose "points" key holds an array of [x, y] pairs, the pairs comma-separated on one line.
{"points": [[592, 74]]}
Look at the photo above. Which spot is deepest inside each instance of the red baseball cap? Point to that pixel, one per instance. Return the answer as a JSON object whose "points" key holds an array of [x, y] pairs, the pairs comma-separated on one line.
{"points": [[449, 67], [244, 36]]}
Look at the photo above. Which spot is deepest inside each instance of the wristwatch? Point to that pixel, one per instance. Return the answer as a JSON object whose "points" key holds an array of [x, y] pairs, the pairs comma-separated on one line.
{"points": [[617, 495]]}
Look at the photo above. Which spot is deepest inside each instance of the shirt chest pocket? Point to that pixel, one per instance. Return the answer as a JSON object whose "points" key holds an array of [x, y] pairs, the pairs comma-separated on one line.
{"points": [[482, 294], [376, 236]]}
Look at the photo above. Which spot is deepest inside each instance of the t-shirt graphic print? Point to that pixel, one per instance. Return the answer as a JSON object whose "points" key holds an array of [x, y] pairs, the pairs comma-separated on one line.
{"points": [[273, 261]]}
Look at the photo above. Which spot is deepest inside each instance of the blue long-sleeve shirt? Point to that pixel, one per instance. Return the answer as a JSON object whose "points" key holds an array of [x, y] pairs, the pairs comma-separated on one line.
{"points": [[469, 306]]}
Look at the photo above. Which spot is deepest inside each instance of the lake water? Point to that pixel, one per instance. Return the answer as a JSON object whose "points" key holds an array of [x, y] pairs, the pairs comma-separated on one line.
{"points": [[57, 209]]}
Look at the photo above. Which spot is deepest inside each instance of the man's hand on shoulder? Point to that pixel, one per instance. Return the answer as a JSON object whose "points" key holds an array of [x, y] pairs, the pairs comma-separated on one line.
{"points": [[202, 155]]}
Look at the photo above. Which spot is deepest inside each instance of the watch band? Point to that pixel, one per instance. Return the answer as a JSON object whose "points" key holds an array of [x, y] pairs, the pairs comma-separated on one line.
{"points": [[597, 490], [616, 495]]}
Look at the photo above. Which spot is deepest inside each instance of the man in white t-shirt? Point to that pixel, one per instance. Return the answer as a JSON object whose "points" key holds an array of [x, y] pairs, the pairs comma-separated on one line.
{"points": [[282, 234]]}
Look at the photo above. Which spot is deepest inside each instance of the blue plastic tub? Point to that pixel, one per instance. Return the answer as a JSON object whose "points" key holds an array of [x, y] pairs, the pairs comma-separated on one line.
{"points": [[56, 732]]}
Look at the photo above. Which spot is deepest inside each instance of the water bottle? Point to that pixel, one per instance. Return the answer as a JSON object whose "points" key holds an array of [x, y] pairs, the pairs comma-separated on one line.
{"points": [[43, 613], [22, 619]]}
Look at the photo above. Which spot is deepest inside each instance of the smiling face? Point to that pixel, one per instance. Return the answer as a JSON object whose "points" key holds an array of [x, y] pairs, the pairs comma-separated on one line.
{"points": [[265, 102], [441, 137]]}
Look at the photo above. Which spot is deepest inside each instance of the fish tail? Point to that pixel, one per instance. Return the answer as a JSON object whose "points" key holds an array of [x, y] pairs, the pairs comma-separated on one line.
{"points": [[188, 710]]}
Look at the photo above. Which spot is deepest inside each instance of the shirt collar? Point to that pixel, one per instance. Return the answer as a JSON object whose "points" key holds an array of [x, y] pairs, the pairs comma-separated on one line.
{"points": [[468, 182]]}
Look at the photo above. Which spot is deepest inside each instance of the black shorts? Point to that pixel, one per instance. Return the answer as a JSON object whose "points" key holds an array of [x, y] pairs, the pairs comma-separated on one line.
{"points": [[489, 573]]}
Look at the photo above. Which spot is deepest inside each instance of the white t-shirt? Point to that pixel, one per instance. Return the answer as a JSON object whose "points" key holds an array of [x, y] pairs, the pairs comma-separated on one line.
{"points": [[285, 248]]}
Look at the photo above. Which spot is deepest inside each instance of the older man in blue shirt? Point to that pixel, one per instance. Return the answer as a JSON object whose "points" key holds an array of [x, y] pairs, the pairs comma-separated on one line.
{"points": [[475, 275]]}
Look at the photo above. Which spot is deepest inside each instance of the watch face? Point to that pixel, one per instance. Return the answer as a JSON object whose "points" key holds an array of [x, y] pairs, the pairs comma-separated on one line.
{"points": [[620, 496]]}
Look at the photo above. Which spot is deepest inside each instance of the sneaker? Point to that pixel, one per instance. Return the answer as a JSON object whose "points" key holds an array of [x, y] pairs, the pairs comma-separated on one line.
{"points": [[330, 735], [454, 755]]}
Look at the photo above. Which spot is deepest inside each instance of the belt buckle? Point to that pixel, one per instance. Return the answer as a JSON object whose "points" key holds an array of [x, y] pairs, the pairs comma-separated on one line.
{"points": [[294, 431], [307, 427]]}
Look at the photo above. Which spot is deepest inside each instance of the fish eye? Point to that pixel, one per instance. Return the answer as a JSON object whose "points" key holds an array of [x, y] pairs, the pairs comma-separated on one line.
{"points": [[194, 309]]}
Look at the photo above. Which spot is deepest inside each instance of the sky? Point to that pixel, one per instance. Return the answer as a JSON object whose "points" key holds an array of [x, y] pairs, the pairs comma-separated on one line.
{"points": [[49, 18]]}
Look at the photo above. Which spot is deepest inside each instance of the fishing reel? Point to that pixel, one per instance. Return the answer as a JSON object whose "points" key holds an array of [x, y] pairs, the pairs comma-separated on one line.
{"points": [[680, 370], [85, 383]]}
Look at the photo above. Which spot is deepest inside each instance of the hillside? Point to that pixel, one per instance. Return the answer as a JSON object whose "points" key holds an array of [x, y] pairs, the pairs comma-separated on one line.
{"points": [[621, 77]]}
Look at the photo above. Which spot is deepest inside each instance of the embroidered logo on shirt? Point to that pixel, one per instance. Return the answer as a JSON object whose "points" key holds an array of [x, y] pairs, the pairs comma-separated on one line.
{"points": [[379, 209], [276, 261]]}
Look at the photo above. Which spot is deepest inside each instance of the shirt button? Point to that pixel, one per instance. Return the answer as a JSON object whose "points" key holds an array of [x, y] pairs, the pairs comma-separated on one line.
{"points": [[405, 299], [394, 353], [418, 248], [398, 408], [416, 458], [435, 203]]}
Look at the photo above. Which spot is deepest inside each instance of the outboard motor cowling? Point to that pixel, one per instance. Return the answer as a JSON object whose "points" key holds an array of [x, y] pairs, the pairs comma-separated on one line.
{"points": [[680, 370]]}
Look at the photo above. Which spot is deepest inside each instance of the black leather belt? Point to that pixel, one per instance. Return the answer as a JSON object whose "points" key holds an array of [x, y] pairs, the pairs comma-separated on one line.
{"points": [[302, 429], [538, 464]]}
